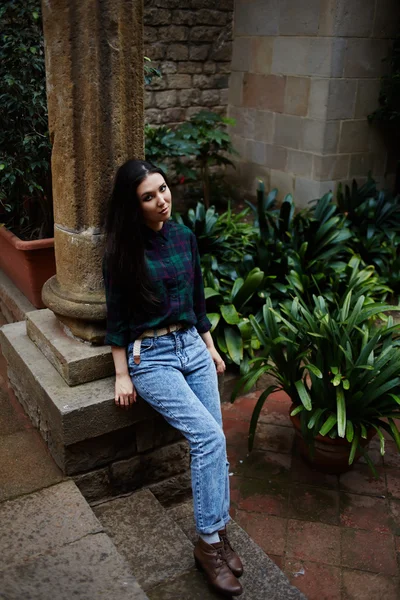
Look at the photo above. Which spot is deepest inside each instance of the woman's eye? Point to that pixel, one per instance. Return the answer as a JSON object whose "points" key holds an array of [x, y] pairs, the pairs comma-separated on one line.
{"points": [[163, 188]]}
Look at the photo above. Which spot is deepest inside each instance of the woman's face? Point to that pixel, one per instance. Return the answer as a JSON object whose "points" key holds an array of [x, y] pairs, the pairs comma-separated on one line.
{"points": [[155, 200]]}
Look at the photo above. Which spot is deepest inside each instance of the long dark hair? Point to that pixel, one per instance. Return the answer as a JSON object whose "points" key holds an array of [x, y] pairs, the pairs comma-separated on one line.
{"points": [[125, 240]]}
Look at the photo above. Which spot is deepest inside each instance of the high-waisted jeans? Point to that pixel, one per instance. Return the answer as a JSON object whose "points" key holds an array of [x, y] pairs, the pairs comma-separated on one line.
{"points": [[177, 376]]}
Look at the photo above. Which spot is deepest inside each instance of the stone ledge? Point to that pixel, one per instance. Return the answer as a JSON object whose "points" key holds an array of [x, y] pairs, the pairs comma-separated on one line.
{"points": [[63, 415], [77, 362]]}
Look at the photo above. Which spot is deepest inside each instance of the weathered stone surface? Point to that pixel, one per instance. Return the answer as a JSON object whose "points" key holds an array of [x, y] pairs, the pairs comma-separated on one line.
{"points": [[261, 19], [265, 92], [241, 54], [255, 152], [354, 136], [25, 464], [44, 521], [177, 52], [64, 415], [367, 94], [144, 469], [288, 131], [296, 96], [334, 166], [284, 182], [87, 568], [261, 55], [320, 136], [386, 19], [94, 485], [276, 156], [308, 189], [300, 163], [364, 57], [101, 88], [76, 362], [299, 18], [353, 19], [235, 89], [190, 585], [152, 544], [166, 99], [13, 303], [173, 490]]}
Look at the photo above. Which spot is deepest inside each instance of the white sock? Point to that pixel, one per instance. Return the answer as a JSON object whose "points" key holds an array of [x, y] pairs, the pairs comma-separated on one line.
{"points": [[210, 538]]}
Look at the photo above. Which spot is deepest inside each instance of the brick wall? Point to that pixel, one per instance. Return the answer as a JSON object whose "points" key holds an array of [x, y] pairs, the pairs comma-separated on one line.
{"points": [[191, 43], [305, 75]]}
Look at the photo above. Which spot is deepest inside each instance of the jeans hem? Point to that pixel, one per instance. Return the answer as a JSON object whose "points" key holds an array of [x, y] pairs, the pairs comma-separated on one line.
{"points": [[213, 529]]}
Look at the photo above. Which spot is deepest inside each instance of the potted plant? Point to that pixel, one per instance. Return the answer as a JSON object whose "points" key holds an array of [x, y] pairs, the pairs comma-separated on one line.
{"points": [[340, 366], [26, 212]]}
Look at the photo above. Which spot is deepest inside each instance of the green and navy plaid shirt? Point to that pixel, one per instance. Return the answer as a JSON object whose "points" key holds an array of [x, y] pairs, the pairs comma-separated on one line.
{"points": [[173, 263]]}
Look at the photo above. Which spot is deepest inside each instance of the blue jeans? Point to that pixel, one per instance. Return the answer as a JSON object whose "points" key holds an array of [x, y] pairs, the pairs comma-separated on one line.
{"points": [[177, 376]]}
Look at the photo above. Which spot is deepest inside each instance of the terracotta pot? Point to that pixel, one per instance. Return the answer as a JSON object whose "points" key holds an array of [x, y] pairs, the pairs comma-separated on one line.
{"points": [[330, 456], [27, 264]]}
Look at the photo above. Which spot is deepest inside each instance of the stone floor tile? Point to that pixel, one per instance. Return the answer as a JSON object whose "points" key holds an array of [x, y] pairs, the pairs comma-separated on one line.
{"points": [[394, 515], [314, 504], [236, 432], [365, 512], [315, 580], [241, 408], [358, 585], [393, 482], [270, 466], [360, 480], [274, 438], [278, 560], [156, 547], [190, 585], [369, 551], [267, 531], [302, 472], [42, 521], [316, 542], [392, 455], [262, 496], [25, 464], [87, 568], [276, 410]]}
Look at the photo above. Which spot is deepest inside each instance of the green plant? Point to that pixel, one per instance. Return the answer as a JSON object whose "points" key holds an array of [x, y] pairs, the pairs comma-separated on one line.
{"points": [[149, 71], [207, 132], [25, 179], [352, 367], [227, 312], [374, 219], [164, 145]]}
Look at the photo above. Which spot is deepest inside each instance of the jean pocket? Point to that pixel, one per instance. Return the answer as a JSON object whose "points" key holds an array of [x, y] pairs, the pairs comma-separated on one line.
{"points": [[193, 332], [147, 344]]}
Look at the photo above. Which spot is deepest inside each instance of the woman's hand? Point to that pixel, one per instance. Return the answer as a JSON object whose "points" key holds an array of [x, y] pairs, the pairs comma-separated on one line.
{"points": [[125, 393], [219, 363]]}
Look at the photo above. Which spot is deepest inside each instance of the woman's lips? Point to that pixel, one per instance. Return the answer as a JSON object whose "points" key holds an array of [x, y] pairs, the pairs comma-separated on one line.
{"points": [[165, 210]]}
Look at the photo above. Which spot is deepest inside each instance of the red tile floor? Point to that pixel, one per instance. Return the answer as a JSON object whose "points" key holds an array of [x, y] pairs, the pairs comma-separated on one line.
{"points": [[334, 537]]}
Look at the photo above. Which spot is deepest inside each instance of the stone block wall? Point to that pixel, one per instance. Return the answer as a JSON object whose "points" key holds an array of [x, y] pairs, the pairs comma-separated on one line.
{"points": [[305, 75], [191, 44]]}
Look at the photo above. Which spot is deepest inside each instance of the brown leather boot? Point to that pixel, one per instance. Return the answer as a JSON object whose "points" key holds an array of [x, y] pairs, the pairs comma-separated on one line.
{"points": [[232, 559], [210, 559]]}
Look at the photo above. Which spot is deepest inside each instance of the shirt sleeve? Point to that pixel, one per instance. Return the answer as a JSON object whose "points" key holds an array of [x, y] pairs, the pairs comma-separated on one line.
{"points": [[199, 302], [118, 331]]}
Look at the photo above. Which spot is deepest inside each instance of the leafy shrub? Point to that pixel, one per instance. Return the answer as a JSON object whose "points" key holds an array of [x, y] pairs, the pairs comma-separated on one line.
{"points": [[351, 363], [25, 180]]}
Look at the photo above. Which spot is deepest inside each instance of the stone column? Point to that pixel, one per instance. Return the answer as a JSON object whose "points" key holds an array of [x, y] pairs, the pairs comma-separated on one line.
{"points": [[94, 70]]}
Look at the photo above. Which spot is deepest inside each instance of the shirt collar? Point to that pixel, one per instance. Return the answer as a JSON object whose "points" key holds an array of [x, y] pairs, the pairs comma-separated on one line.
{"points": [[162, 233]]}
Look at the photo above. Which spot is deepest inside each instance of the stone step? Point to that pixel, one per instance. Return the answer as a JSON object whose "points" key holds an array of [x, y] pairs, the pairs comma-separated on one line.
{"points": [[53, 546], [158, 543]]}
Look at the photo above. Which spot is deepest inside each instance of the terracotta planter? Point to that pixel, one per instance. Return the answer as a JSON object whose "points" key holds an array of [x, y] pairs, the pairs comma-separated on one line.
{"points": [[27, 264], [330, 456]]}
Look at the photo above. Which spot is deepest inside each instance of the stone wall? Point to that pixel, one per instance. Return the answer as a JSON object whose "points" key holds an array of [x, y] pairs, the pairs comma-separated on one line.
{"points": [[192, 47], [305, 75]]}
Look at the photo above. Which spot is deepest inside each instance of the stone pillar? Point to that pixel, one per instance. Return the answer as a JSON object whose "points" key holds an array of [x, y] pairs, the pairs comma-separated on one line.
{"points": [[94, 71], [305, 75]]}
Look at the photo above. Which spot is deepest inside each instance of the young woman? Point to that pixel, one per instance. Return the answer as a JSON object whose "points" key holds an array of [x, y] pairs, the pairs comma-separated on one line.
{"points": [[163, 350]]}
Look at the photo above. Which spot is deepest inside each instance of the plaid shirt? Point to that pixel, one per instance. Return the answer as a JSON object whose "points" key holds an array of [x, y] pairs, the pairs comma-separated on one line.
{"points": [[173, 263]]}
